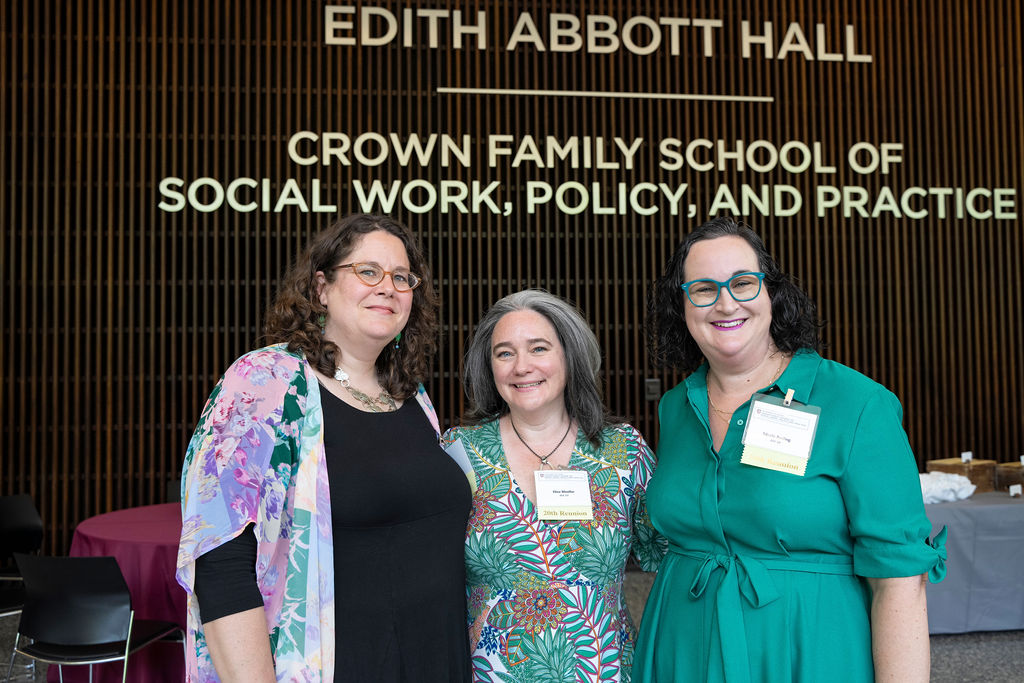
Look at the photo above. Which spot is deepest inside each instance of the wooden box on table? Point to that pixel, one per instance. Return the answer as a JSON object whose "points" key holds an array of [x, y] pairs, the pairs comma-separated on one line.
{"points": [[982, 473], [1007, 474]]}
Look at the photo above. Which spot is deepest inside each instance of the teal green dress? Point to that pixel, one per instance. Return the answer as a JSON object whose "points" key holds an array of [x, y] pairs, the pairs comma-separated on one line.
{"points": [[763, 580]]}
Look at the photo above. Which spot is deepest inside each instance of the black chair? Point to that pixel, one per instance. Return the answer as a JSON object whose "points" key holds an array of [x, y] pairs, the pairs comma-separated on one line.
{"points": [[78, 611], [21, 530]]}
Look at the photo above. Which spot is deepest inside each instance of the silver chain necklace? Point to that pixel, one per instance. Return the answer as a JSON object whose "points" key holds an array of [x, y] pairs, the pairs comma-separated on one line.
{"points": [[544, 459], [383, 403]]}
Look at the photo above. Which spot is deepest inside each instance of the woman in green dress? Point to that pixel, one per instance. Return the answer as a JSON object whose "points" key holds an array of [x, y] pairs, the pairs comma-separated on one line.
{"points": [[559, 504], [787, 489]]}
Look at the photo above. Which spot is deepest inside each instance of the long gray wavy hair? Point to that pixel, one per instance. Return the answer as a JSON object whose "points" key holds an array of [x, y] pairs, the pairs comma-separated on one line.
{"points": [[582, 359]]}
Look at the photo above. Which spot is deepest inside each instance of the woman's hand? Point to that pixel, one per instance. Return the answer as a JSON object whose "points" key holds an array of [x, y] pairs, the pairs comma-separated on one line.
{"points": [[899, 629], [240, 647]]}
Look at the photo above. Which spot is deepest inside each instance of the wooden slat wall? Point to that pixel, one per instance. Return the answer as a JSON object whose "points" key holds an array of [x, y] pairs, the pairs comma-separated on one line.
{"points": [[119, 317]]}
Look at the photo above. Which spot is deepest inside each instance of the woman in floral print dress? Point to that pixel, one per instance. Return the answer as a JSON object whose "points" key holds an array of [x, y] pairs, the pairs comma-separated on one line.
{"points": [[545, 595]]}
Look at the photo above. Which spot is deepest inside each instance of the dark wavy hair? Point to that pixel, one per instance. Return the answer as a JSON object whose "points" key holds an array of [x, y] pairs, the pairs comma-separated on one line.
{"points": [[292, 317], [582, 362], [794, 324]]}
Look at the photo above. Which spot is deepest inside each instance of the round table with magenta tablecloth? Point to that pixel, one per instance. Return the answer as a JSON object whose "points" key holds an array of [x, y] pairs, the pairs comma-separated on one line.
{"points": [[144, 540]]}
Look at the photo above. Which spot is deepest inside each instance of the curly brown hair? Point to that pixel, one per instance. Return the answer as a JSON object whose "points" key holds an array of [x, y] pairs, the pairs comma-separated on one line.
{"points": [[293, 316], [794, 325]]}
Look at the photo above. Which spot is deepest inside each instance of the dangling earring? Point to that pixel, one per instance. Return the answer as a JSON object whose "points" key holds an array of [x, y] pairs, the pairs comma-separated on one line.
{"points": [[321, 320], [398, 338]]}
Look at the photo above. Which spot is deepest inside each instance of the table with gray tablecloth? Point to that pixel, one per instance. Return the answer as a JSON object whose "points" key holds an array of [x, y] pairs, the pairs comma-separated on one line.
{"points": [[984, 585]]}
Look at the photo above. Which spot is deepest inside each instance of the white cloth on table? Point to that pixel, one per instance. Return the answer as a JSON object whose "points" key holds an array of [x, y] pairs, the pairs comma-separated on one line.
{"points": [[942, 487]]}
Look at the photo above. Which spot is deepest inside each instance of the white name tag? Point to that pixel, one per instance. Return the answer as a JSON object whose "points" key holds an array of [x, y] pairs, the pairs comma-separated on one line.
{"points": [[563, 494], [779, 437]]}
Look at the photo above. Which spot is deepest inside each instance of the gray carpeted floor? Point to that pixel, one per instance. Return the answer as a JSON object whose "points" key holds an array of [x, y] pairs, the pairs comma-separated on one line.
{"points": [[992, 657], [996, 657]]}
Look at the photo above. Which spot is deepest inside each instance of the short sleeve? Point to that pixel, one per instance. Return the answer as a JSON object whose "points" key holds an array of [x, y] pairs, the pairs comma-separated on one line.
{"points": [[225, 580], [882, 493], [238, 463], [649, 546]]}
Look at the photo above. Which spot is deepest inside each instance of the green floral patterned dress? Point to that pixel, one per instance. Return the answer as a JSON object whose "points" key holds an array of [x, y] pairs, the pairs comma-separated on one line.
{"points": [[545, 598]]}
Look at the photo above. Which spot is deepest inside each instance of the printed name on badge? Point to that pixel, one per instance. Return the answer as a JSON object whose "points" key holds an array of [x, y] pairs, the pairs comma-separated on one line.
{"points": [[563, 495], [779, 434]]}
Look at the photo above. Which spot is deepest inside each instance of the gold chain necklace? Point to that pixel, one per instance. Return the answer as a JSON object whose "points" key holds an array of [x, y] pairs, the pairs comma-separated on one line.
{"points": [[543, 460], [724, 416], [727, 416], [383, 403]]}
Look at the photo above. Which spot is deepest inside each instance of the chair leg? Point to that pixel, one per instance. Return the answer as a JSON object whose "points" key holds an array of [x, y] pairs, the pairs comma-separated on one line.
{"points": [[127, 646], [14, 652]]}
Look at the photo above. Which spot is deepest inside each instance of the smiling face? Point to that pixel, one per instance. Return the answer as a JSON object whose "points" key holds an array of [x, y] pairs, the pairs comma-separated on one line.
{"points": [[361, 318], [528, 363], [728, 331]]}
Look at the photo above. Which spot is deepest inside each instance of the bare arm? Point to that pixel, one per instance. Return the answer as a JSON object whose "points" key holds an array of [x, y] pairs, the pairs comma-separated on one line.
{"points": [[240, 647], [899, 629]]}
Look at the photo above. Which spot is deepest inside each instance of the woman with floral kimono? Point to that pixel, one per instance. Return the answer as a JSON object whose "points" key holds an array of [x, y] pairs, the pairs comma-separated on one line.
{"points": [[323, 524], [559, 502]]}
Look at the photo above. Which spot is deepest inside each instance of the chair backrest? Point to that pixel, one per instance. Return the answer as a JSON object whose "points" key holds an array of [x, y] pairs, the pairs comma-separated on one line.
{"points": [[74, 600], [21, 529]]}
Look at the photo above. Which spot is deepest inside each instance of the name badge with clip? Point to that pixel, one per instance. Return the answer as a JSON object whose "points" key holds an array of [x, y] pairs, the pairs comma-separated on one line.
{"points": [[779, 433], [563, 495]]}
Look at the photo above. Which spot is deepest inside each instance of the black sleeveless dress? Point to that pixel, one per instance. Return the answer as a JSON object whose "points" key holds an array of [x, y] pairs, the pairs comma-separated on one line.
{"points": [[399, 506]]}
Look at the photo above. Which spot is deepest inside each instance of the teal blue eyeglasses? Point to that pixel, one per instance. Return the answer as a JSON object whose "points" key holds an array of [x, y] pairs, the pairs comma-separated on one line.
{"points": [[742, 287]]}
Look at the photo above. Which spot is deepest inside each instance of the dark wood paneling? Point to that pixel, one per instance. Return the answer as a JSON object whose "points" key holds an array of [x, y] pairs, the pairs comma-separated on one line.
{"points": [[119, 317]]}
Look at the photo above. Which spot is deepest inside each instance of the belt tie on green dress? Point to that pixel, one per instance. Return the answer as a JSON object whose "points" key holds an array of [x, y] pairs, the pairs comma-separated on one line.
{"points": [[749, 577]]}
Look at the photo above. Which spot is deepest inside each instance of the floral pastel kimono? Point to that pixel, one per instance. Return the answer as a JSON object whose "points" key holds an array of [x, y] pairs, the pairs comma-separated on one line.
{"points": [[257, 457]]}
